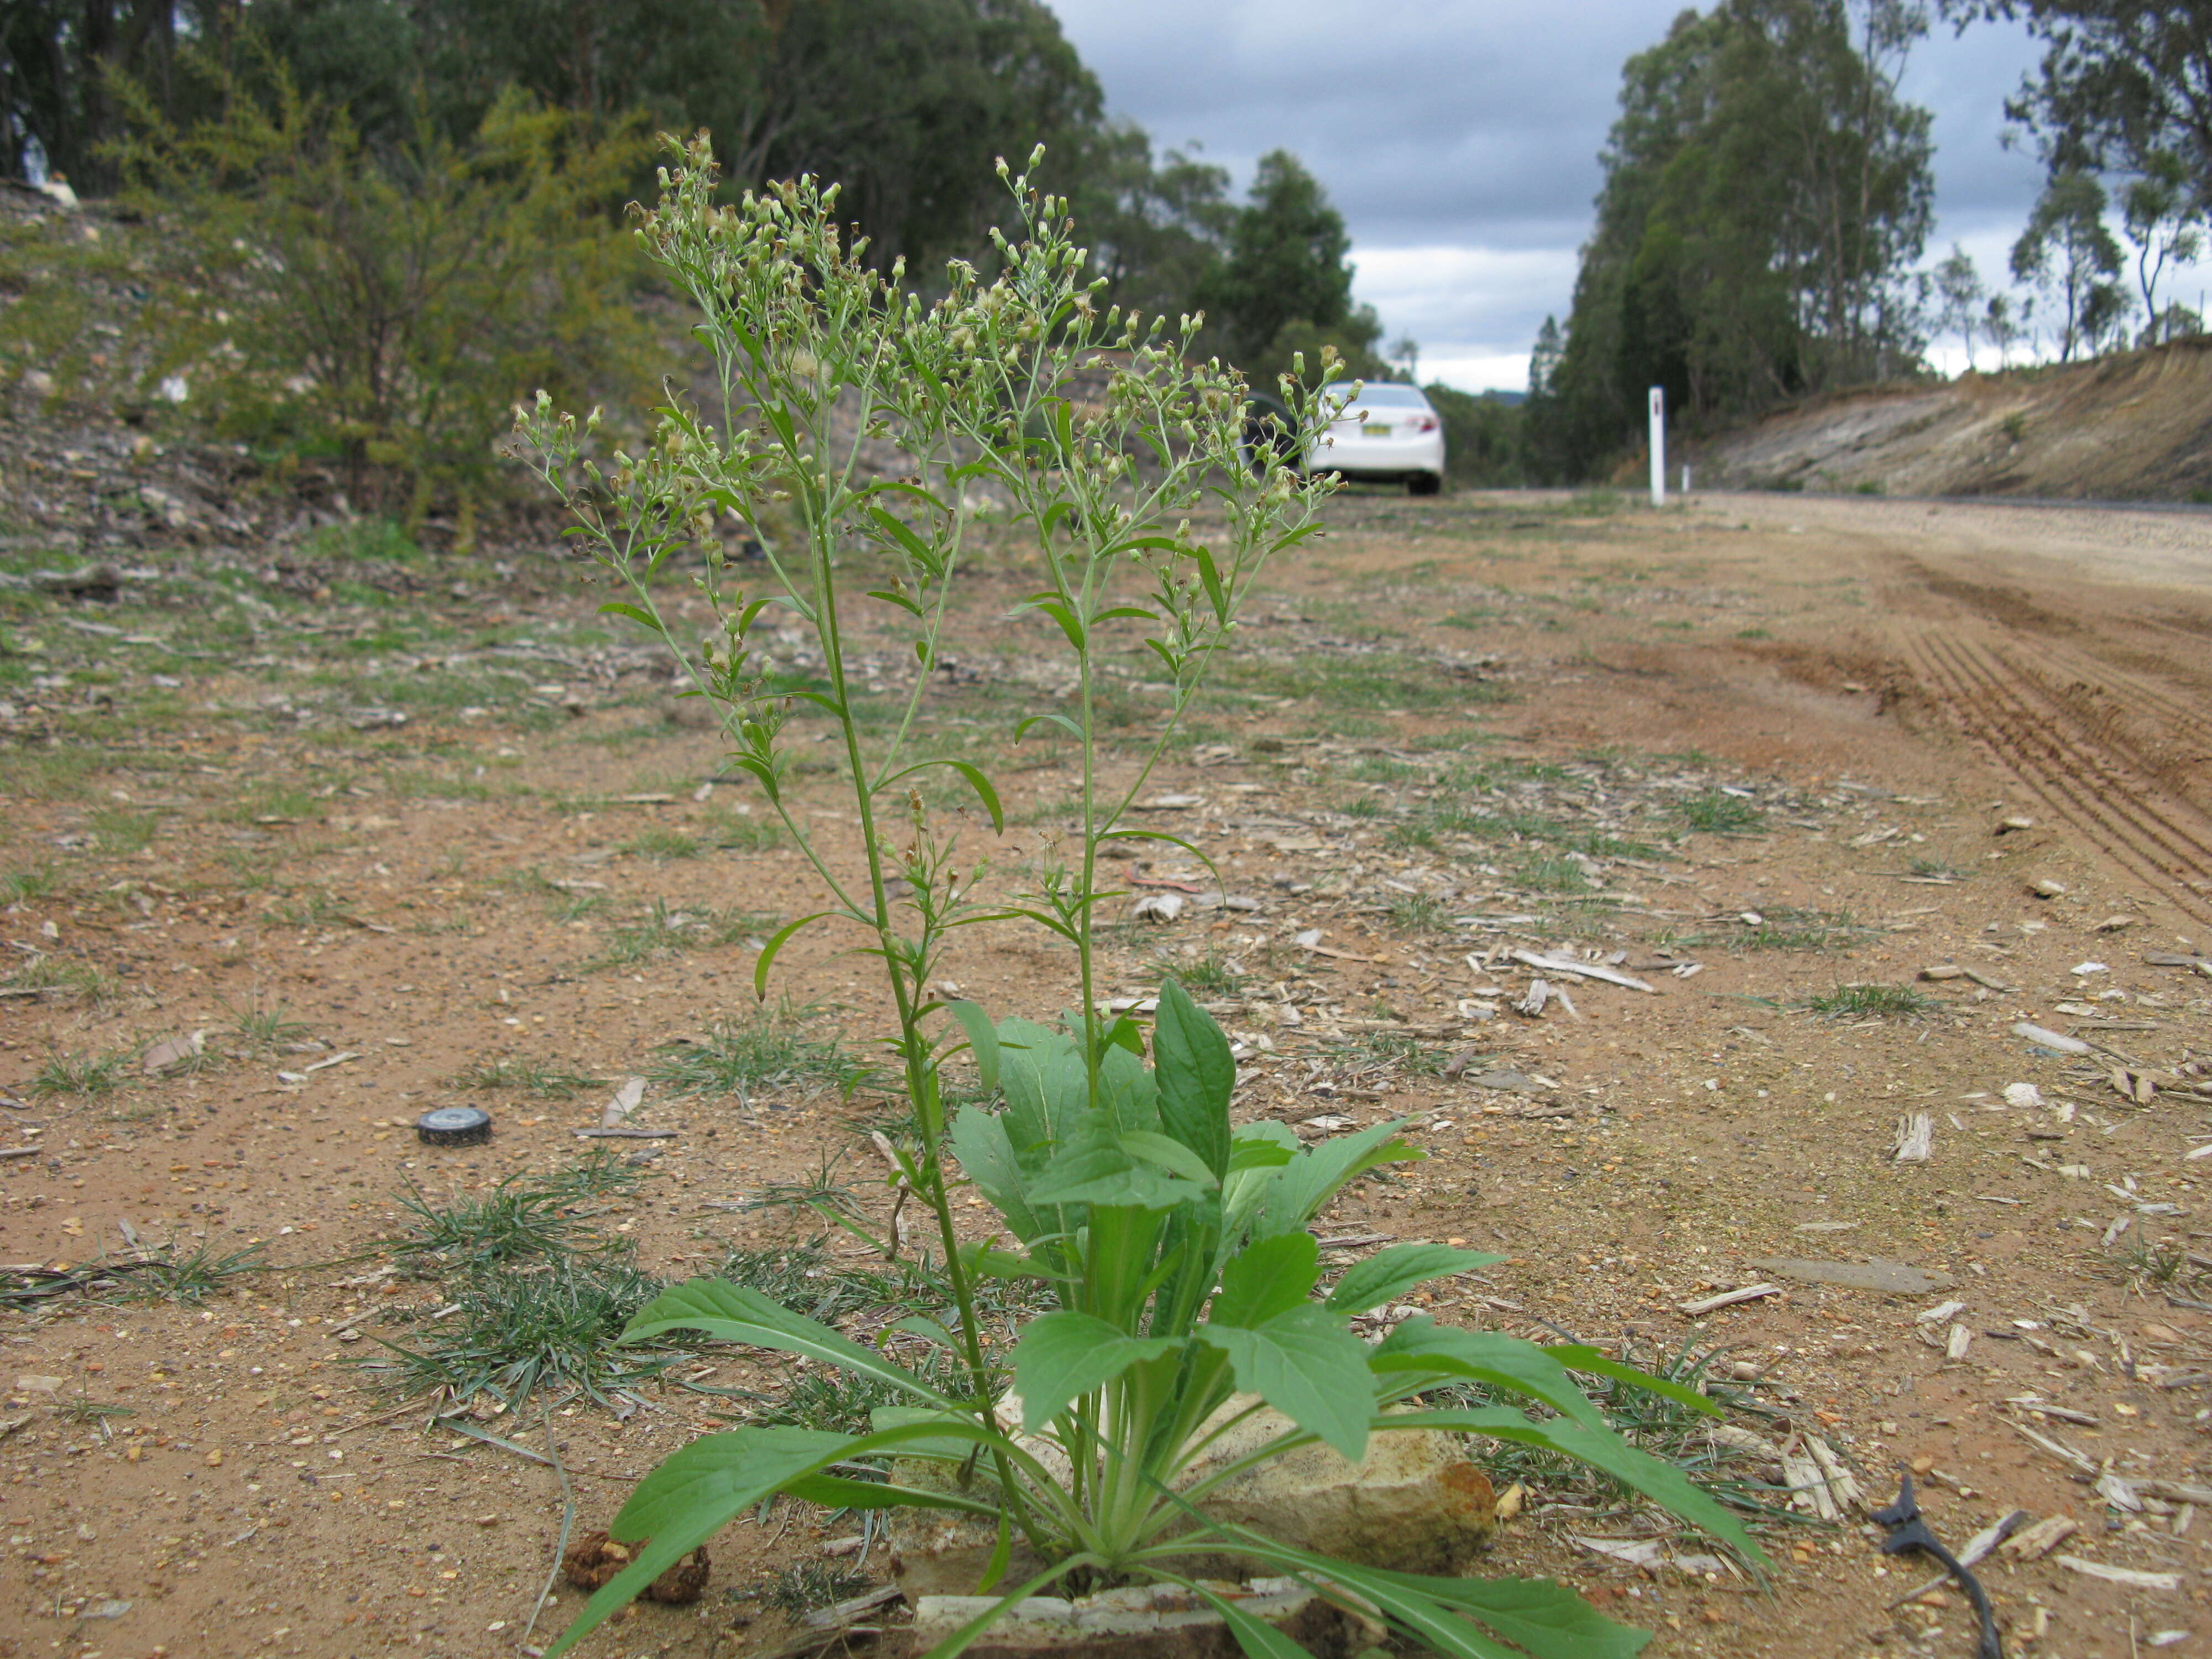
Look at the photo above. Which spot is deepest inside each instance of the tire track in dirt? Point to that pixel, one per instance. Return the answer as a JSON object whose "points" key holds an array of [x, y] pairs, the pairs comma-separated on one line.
{"points": [[2070, 743]]}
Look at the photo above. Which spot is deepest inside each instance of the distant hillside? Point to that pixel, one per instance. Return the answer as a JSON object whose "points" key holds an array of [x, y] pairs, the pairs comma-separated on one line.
{"points": [[2134, 427]]}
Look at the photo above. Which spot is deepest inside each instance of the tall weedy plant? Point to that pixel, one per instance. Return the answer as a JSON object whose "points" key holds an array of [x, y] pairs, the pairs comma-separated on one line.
{"points": [[1174, 1243]]}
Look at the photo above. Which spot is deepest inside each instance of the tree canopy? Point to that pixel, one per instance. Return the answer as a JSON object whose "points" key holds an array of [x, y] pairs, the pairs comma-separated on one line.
{"points": [[1766, 194]]}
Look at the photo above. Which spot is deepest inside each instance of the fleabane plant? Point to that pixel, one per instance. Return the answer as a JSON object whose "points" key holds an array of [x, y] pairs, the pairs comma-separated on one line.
{"points": [[1173, 1245]]}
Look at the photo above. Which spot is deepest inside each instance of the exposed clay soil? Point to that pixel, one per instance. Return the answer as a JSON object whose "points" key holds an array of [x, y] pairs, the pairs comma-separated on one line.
{"points": [[2128, 427], [1880, 685]]}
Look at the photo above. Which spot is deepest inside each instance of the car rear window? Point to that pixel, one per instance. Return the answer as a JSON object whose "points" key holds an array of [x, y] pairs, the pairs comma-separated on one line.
{"points": [[1391, 397]]}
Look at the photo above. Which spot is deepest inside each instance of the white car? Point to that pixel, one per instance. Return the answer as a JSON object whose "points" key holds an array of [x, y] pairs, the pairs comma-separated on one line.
{"points": [[1388, 432]]}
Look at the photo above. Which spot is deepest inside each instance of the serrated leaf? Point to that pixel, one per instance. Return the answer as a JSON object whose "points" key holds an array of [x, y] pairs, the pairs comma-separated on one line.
{"points": [[980, 1142], [1064, 1355], [1308, 1366], [1391, 1273], [1267, 1278], [1298, 1190]]}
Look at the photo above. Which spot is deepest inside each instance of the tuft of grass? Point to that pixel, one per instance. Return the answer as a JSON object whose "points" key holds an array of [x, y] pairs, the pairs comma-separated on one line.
{"points": [[86, 981], [30, 881], [162, 1275], [1419, 913], [840, 1402], [1552, 873], [80, 1075], [1211, 975], [273, 801], [663, 932], [1718, 812], [119, 830], [316, 907], [519, 1218], [1936, 870], [531, 1076], [261, 1028], [548, 1327], [1875, 1001], [768, 1050], [1787, 929], [812, 1585], [660, 843], [1392, 1051], [90, 1413], [736, 832]]}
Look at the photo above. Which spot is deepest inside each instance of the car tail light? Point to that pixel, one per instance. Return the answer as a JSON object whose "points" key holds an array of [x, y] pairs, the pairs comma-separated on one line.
{"points": [[1424, 424]]}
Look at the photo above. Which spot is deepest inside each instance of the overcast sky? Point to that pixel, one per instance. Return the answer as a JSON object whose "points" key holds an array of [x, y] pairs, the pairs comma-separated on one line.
{"points": [[1459, 137]]}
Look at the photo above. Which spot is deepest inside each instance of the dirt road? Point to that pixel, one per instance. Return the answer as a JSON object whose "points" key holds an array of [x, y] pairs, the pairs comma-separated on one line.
{"points": [[2074, 644], [385, 840]]}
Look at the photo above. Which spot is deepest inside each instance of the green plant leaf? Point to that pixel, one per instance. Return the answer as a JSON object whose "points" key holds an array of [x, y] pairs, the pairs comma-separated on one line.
{"points": [[1267, 1278], [1259, 1639], [1579, 1356], [1092, 1167], [1421, 1346], [982, 1040], [1170, 1155], [684, 1502], [1389, 1273], [776, 942], [1064, 1355], [637, 614], [1308, 1366], [1062, 721], [1603, 1449], [1298, 1190], [1538, 1617], [1195, 1076], [735, 1314], [989, 1158]]}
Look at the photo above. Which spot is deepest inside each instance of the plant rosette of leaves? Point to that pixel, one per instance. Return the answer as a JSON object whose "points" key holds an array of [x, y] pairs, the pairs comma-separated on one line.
{"points": [[1174, 1245]]}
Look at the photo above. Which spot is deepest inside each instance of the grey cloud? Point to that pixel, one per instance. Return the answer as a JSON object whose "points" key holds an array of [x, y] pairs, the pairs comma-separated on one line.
{"points": [[1475, 124]]}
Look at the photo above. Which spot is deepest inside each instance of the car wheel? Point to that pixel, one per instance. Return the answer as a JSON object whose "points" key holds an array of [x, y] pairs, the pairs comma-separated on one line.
{"points": [[1424, 484]]}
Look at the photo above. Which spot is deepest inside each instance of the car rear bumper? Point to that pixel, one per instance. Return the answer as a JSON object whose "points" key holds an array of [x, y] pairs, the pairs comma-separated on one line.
{"points": [[1379, 458]]}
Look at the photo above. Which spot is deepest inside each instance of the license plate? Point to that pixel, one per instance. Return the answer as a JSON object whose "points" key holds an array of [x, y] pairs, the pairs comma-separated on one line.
{"points": [[1376, 429]]}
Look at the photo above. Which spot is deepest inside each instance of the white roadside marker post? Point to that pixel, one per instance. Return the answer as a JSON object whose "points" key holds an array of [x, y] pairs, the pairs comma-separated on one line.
{"points": [[1658, 446]]}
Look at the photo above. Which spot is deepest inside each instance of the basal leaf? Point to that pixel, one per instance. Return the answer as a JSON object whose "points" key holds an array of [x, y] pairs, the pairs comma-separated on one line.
{"points": [[1391, 1273], [1266, 1279], [1602, 1449], [1195, 1076], [1170, 1154], [1579, 1356], [1297, 1191], [1064, 1355], [1092, 1167], [1421, 1346], [987, 1157], [735, 1314], [1308, 1366]]}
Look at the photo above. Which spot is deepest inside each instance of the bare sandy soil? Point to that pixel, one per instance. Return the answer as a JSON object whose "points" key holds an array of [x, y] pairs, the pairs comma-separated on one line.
{"points": [[1760, 754], [2129, 427]]}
